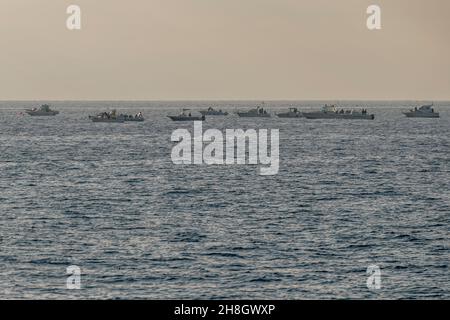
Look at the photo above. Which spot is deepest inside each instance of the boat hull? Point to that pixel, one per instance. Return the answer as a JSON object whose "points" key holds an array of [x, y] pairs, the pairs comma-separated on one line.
{"points": [[186, 118], [106, 120], [290, 115], [42, 114], [213, 113], [247, 115], [341, 116], [135, 120], [423, 115]]}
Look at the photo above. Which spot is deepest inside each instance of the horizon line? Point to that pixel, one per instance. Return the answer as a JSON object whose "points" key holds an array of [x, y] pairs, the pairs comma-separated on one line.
{"points": [[221, 100]]}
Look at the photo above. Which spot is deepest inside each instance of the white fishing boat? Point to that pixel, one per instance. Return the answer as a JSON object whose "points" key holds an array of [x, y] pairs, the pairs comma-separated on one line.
{"points": [[331, 112], [258, 112], [43, 110], [426, 111]]}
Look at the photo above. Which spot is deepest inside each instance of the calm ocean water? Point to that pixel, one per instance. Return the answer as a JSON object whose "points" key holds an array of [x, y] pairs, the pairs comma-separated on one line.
{"points": [[106, 197]]}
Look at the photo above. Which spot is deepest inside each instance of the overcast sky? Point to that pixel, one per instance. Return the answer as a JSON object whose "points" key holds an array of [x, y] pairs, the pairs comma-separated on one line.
{"points": [[224, 49]]}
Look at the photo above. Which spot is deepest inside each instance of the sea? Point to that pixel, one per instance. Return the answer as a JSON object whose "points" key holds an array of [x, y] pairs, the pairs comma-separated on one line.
{"points": [[350, 197]]}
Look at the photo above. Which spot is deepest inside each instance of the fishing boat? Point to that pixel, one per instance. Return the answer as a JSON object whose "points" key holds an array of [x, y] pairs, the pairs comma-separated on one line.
{"points": [[331, 112], [43, 110], [186, 115], [426, 111], [258, 112]]}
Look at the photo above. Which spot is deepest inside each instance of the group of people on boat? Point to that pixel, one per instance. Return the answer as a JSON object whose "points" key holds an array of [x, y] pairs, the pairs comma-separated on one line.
{"points": [[210, 109], [262, 111], [136, 116], [113, 115], [342, 111], [107, 115]]}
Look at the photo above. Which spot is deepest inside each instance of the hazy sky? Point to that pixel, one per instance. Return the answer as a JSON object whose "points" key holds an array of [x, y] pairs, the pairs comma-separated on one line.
{"points": [[225, 49]]}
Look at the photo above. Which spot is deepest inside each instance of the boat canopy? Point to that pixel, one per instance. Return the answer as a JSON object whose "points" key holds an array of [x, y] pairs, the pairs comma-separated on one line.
{"points": [[426, 108]]}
